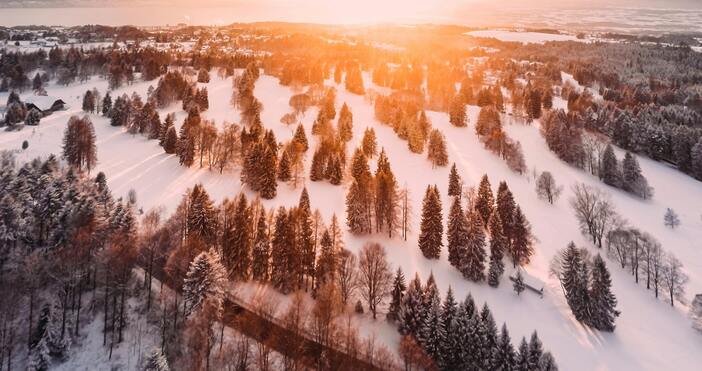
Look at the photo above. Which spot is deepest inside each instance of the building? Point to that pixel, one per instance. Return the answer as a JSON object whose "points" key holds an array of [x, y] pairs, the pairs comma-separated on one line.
{"points": [[45, 104]]}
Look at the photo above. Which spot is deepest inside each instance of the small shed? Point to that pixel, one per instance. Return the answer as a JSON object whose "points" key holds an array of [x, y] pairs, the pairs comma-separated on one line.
{"points": [[45, 104], [531, 283]]}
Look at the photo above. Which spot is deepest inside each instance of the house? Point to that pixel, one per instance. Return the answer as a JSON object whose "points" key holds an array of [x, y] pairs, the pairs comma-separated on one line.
{"points": [[45, 104]]}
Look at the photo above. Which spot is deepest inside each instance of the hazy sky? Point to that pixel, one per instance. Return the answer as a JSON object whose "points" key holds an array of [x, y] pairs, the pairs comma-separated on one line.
{"points": [[474, 12]]}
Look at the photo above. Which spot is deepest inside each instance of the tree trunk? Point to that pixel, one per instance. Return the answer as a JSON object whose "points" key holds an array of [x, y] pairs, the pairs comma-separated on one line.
{"points": [[80, 299], [31, 318]]}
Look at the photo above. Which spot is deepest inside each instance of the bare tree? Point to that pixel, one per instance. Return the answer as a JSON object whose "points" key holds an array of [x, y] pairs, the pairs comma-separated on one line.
{"points": [[671, 218], [594, 211], [673, 278], [375, 278], [347, 276], [546, 187], [325, 312]]}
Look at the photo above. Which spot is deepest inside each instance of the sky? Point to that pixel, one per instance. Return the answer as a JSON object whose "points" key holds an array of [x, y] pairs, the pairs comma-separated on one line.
{"points": [[470, 12]]}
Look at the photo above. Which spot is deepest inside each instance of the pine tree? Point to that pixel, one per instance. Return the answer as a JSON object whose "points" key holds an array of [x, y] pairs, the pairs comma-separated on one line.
{"points": [[489, 335], [457, 233], [171, 141], [300, 138], [450, 349], [268, 172], [436, 152], [522, 240], [186, 148], [333, 172], [411, 315], [454, 188], [396, 296], [505, 208], [345, 124], [602, 300], [326, 264], [369, 143], [485, 201], [472, 263], [156, 361], [432, 333], [281, 247], [535, 351], [574, 279], [106, 105], [261, 251], [457, 112], [431, 227], [609, 171], [205, 280], [498, 246], [503, 358], [521, 362], [633, 180], [547, 362], [305, 238], [284, 167], [237, 240], [386, 197], [318, 167]]}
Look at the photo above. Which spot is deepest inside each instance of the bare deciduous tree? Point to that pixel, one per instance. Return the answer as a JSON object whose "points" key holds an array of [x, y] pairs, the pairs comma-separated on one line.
{"points": [[673, 278], [347, 276], [375, 278], [546, 187], [594, 211]]}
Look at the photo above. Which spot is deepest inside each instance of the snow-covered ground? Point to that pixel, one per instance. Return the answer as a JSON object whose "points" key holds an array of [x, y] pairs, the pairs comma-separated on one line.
{"points": [[650, 335], [523, 37]]}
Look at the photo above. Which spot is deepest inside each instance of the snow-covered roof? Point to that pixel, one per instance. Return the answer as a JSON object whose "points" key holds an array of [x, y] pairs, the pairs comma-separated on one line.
{"points": [[42, 102]]}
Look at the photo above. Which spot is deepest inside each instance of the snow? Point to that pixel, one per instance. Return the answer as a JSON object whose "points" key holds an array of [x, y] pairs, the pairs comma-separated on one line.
{"points": [[650, 335], [523, 37]]}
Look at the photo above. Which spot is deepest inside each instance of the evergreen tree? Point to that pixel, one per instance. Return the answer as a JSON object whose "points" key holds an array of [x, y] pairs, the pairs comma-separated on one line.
{"points": [[472, 263], [457, 112], [521, 362], [574, 279], [369, 143], [436, 152], [261, 251], [171, 142], [431, 227], [106, 105], [498, 245], [268, 184], [506, 208], [457, 234], [281, 247], [485, 201], [450, 349], [305, 239], [602, 301], [503, 358], [633, 180], [454, 188], [547, 362], [326, 264], [522, 240], [205, 280], [432, 333], [318, 167], [186, 148], [333, 172], [300, 138], [284, 167], [237, 240], [535, 351], [411, 315], [156, 361], [345, 124], [609, 171], [396, 295], [386, 197]]}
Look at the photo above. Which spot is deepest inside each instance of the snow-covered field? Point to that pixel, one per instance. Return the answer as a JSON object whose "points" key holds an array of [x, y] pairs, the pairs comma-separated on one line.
{"points": [[650, 335], [523, 37]]}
